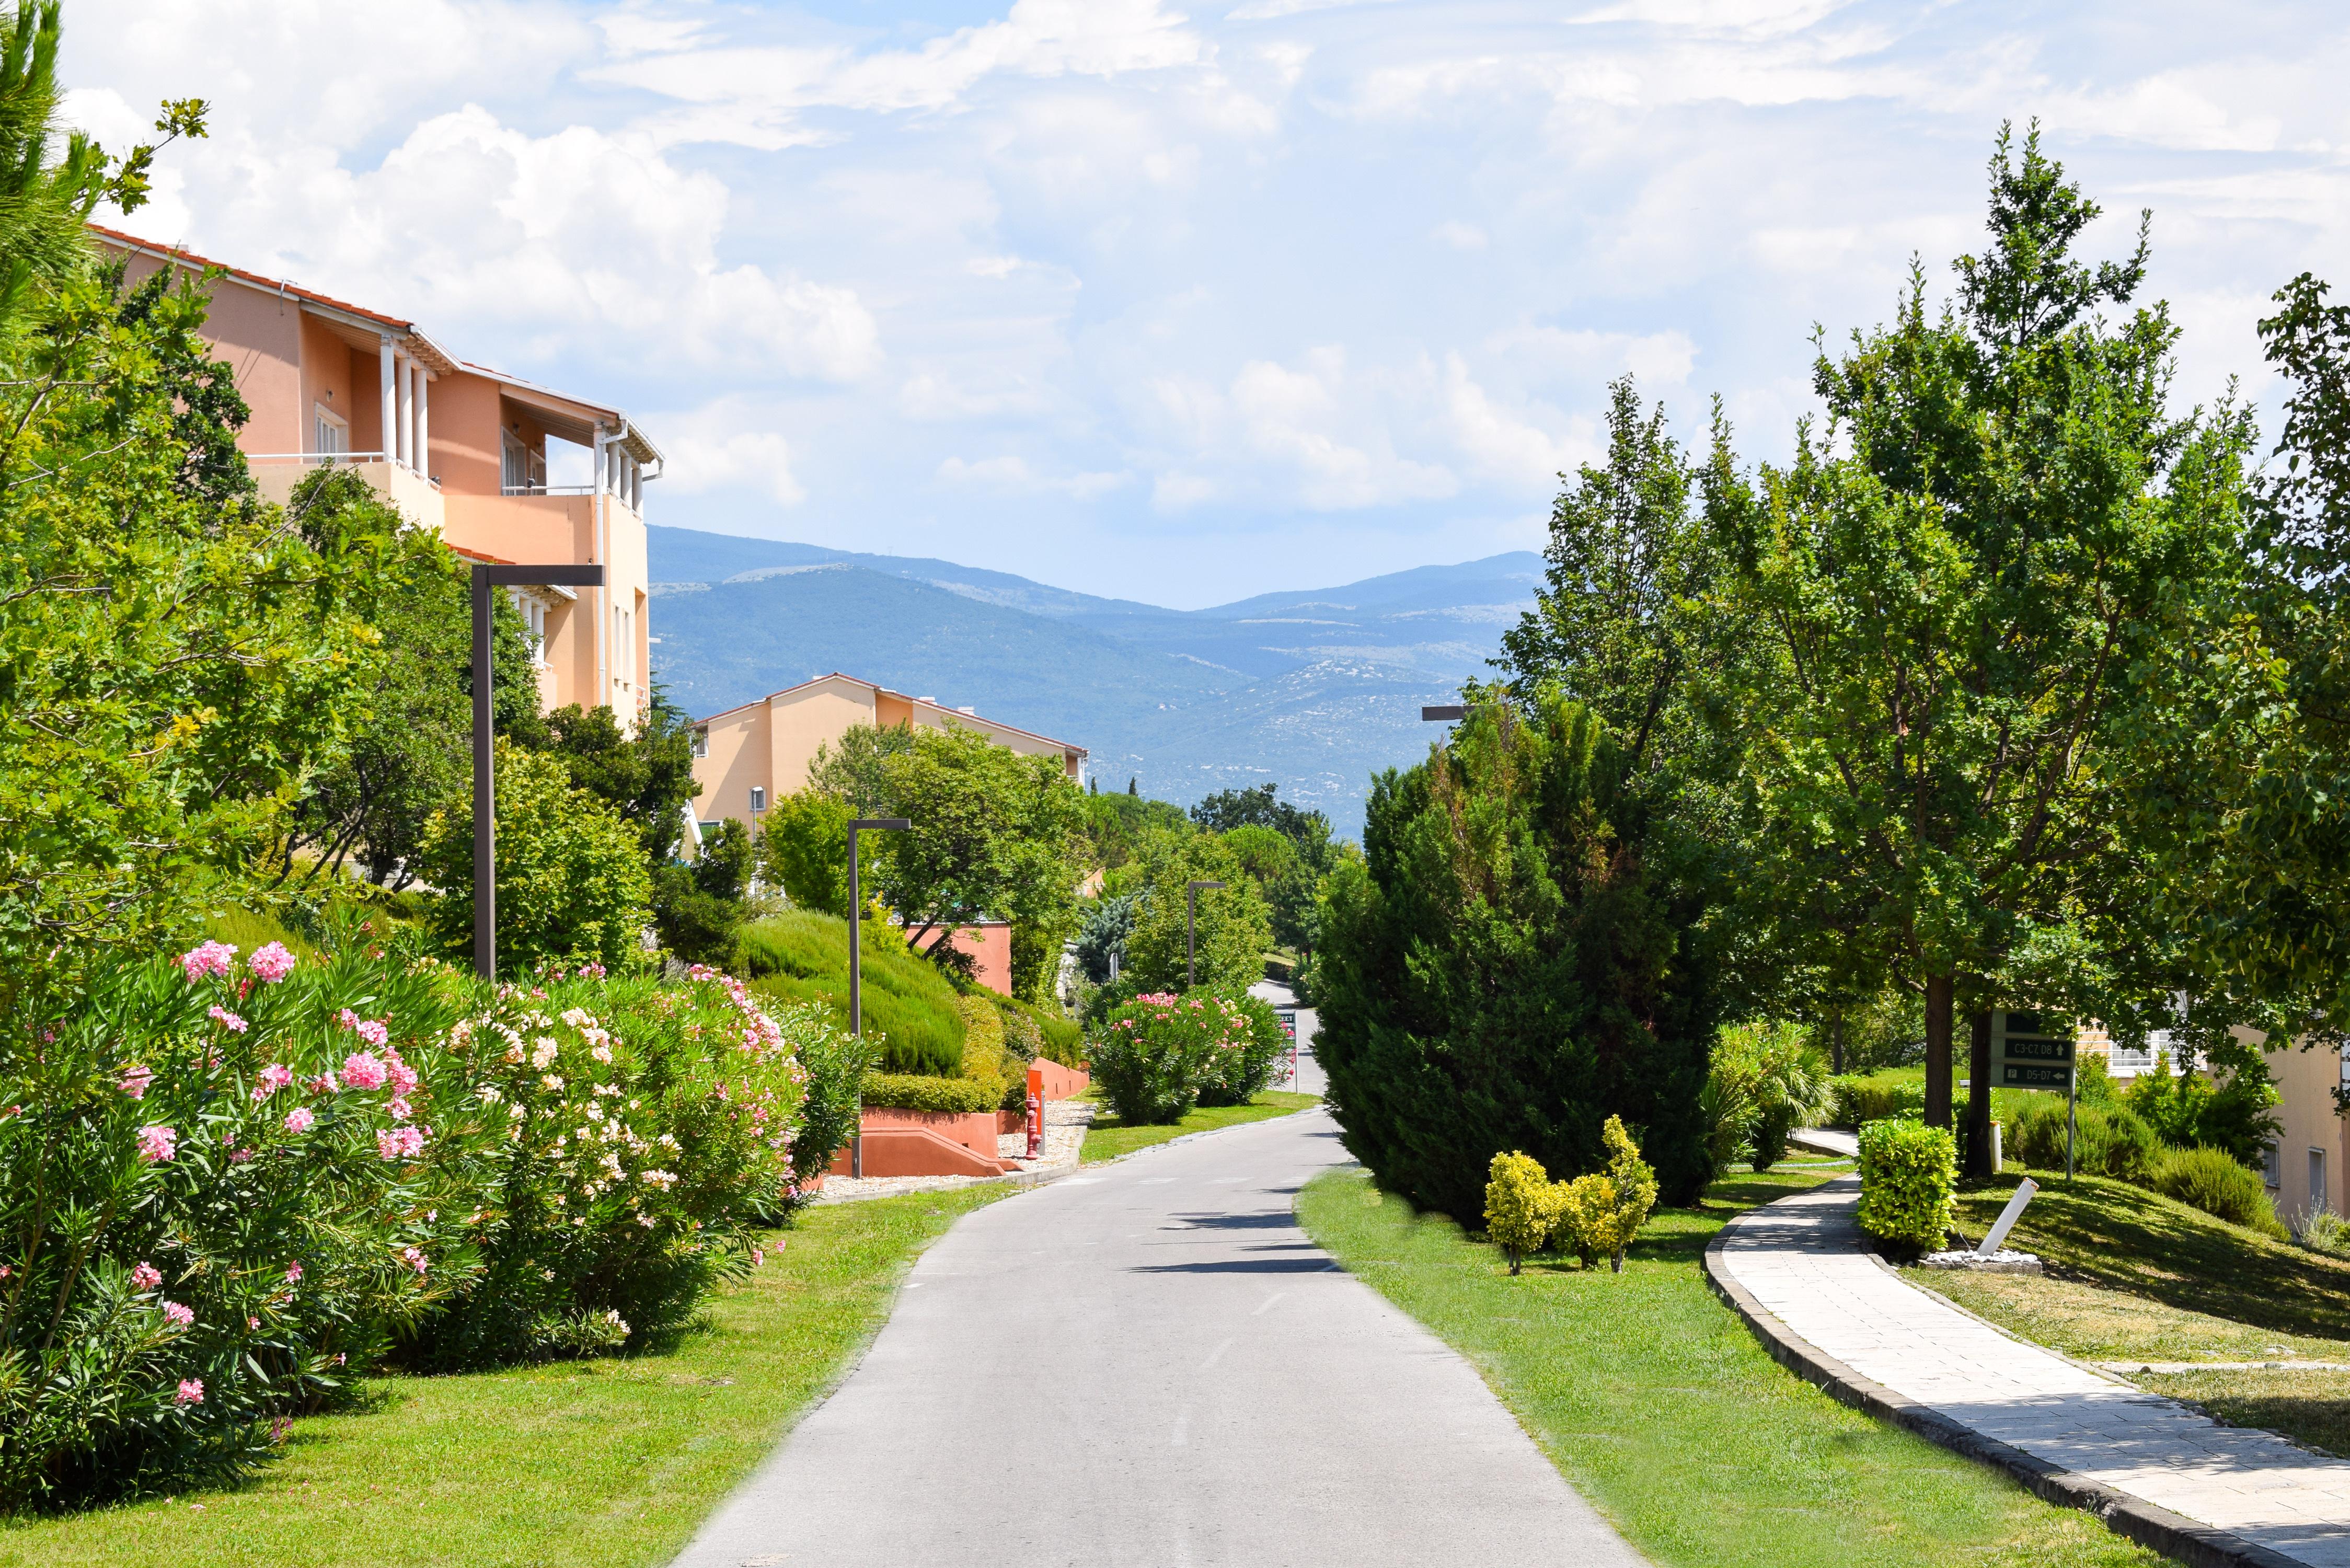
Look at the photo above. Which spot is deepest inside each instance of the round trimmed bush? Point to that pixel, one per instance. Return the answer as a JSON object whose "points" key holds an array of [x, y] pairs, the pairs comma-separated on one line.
{"points": [[1908, 1176], [2210, 1180]]}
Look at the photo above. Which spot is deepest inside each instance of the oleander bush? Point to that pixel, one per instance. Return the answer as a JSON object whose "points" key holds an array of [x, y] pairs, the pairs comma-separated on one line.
{"points": [[1160, 1054], [1908, 1176], [2110, 1139], [219, 1200], [2212, 1180]]}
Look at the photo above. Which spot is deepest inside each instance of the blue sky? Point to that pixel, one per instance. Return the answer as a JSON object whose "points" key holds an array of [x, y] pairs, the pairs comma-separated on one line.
{"points": [[1183, 302]]}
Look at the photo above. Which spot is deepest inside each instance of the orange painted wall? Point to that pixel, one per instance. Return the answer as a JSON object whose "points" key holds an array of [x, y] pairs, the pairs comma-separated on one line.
{"points": [[989, 943]]}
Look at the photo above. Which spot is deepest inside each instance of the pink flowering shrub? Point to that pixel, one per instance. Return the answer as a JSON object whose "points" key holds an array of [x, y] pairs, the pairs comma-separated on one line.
{"points": [[630, 1140], [1160, 1054]]}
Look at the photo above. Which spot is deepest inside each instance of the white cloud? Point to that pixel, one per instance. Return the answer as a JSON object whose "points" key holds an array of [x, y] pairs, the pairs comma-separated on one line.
{"points": [[723, 447], [1507, 446], [1459, 235], [1013, 474]]}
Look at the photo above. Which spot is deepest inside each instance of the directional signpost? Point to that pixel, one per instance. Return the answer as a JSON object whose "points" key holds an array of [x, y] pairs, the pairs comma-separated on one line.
{"points": [[2029, 1050]]}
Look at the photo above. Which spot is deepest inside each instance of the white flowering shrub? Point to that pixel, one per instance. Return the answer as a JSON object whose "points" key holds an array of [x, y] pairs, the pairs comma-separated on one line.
{"points": [[627, 1141]]}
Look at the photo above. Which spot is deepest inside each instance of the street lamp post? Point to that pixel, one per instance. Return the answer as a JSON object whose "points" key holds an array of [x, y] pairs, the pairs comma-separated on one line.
{"points": [[485, 826], [1191, 931], [856, 968]]}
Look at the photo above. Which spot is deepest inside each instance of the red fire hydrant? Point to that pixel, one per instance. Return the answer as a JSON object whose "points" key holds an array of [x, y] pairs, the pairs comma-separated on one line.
{"points": [[1035, 1111]]}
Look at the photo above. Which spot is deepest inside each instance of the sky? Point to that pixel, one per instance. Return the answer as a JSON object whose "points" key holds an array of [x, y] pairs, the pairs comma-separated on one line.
{"points": [[1183, 302]]}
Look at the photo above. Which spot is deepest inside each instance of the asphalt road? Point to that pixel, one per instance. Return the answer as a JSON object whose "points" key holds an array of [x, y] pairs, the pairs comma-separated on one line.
{"points": [[1150, 1364]]}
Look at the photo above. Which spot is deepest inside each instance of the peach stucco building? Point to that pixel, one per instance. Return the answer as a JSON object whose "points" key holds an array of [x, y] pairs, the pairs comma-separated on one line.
{"points": [[458, 447], [748, 757]]}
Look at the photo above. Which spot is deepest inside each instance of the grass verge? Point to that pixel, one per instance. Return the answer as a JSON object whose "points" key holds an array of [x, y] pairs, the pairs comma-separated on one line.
{"points": [[574, 1465], [2133, 1275], [1108, 1138], [1659, 1406]]}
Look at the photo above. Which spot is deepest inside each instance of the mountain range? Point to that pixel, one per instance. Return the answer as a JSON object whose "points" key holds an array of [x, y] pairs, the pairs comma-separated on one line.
{"points": [[1315, 690]]}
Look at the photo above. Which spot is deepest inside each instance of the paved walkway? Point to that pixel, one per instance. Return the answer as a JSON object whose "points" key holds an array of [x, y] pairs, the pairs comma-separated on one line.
{"points": [[1801, 1259], [1150, 1364]]}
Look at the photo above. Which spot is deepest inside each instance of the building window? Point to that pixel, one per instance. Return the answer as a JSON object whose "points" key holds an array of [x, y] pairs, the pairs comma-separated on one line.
{"points": [[2317, 1194], [521, 469], [330, 433], [2272, 1166], [702, 742]]}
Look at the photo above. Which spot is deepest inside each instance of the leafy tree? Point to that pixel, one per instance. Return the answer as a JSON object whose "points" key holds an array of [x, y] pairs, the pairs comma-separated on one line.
{"points": [[573, 884], [1511, 963], [647, 777], [1118, 825], [1234, 930], [1231, 808], [804, 849], [1950, 589], [994, 834], [855, 771]]}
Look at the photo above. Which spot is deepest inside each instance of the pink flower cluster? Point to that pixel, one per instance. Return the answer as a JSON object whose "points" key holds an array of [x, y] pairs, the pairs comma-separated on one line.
{"points": [[273, 1078], [299, 1119], [158, 1143], [192, 1391], [292, 1273], [364, 1070], [209, 959], [135, 1081], [399, 1143], [146, 1277], [227, 1019], [272, 964], [414, 1258], [180, 1316]]}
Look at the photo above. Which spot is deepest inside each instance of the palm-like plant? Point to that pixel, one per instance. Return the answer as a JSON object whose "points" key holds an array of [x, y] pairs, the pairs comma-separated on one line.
{"points": [[1783, 1077]]}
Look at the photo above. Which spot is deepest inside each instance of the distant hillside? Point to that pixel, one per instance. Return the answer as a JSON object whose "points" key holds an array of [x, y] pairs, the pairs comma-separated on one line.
{"points": [[1315, 690]]}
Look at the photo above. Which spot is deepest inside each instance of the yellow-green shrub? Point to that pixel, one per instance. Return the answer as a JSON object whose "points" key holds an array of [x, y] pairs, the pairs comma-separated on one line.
{"points": [[1521, 1205], [1601, 1214], [1908, 1175]]}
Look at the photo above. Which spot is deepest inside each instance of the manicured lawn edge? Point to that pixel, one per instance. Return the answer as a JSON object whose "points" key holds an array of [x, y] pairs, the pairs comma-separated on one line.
{"points": [[1124, 1140], [604, 1463], [2159, 1529], [1660, 1408]]}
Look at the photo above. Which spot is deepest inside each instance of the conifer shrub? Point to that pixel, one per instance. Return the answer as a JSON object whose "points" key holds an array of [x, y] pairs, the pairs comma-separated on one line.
{"points": [[1908, 1178], [2212, 1180], [2110, 1138], [1519, 954], [1521, 1205], [911, 1017]]}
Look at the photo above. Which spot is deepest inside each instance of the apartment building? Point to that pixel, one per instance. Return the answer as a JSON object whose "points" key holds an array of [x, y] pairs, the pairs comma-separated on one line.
{"points": [[749, 757], [460, 448]]}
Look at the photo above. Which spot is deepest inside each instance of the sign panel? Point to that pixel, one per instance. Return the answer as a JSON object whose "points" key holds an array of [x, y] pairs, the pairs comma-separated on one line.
{"points": [[2028, 1052]]}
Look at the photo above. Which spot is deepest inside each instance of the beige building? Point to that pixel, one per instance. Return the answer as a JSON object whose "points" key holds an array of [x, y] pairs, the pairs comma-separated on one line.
{"points": [[460, 448], [748, 757]]}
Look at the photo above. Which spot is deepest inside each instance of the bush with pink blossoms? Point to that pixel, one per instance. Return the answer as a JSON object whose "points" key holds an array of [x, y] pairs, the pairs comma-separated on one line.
{"points": [[1160, 1054], [162, 1174]]}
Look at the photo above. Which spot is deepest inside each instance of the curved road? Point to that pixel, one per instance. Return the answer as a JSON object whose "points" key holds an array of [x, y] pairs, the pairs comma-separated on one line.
{"points": [[1149, 1363]]}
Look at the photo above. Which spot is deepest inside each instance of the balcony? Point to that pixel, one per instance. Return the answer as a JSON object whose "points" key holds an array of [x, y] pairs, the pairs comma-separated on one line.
{"points": [[276, 474]]}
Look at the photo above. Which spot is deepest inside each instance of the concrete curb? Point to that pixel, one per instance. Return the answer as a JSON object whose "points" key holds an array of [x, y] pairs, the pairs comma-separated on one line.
{"points": [[2172, 1534]]}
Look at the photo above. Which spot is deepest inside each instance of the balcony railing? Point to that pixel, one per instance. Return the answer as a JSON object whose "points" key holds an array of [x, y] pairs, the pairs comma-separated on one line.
{"points": [[546, 490], [320, 458]]}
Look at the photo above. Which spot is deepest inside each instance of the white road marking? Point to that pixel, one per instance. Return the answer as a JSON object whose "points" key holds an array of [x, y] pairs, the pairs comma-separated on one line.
{"points": [[1182, 1426], [1277, 1295], [1215, 1356]]}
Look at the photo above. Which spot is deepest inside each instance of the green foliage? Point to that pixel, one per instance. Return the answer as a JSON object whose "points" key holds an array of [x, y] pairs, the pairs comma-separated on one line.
{"points": [[694, 926], [572, 882], [1056, 1038], [1600, 1215], [1252, 1048], [1521, 1205], [1774, 1069], [853, 771], [1863, 1098], [2187, 1111], [2215, 1181], [1725, 1115], [1908, 1176], [2109, 1139], [1102, 931], [804, 850], [910, 1015], [647, 778], [722, 868], [927, 1092], [1511, 963], [1232, 929], [1308, 832], [1119, 826], [2324, 1231]]}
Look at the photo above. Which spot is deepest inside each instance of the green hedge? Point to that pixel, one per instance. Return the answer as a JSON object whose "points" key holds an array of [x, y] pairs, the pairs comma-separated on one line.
{"points": [[924, 1092], [1863, 1098], [1064, 1040], [1908, 1175], [802, 955], [2110, 1141]]}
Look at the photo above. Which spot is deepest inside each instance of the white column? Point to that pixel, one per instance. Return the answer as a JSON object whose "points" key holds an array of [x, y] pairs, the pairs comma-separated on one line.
{"points": [[389, 427], [424, 428], [637, 487], [405, 380]]}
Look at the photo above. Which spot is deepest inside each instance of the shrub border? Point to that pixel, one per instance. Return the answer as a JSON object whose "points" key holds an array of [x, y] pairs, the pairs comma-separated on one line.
{"points": [[2132, 1518]]}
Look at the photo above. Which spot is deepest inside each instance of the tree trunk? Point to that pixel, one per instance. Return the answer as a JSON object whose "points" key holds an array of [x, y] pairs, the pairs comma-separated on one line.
{"points": [[1978, 1160], [1939, 989], [1835, 1043]]}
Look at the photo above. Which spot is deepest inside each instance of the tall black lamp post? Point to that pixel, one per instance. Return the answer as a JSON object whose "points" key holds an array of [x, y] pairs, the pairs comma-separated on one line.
{"points": [[486, 824], [855, 966], [1191, 931]]}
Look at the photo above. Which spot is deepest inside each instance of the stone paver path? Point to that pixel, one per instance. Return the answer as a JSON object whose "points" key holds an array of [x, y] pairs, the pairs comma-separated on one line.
{"points": [[1151, 1366], [1802, 1259]]}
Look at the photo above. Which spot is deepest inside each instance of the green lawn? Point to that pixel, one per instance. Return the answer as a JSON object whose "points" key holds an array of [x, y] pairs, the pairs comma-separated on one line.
{"points": [[2133, 1274], [1108, 1138], [1657, 1403], [576, 1464]]}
